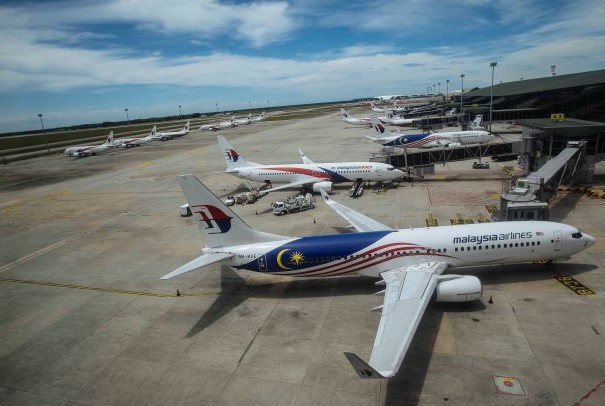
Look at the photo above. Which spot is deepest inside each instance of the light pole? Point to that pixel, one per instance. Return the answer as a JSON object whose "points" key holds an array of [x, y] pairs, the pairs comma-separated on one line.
{"points": [[216, 104], [44, 132], [180, 112], [462, 93], [127, 118], [249, 105], [491, 95], [439, 88], [447, 89]]}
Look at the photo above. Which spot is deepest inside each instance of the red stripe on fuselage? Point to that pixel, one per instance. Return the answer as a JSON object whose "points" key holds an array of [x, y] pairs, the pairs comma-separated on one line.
{"points": [[360, 263], [299, 171]]}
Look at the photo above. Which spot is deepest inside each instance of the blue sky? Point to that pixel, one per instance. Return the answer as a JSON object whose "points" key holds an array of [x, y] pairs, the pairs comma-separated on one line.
{"points": [[86, 61]]}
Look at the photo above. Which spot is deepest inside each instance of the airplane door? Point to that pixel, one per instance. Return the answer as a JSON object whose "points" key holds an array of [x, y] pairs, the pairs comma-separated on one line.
{"points": [[262, 263], [557, 241], [378, 172]]}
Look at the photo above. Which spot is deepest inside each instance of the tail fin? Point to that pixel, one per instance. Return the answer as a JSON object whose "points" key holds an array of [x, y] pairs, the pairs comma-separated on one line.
{"points": [[344, 113], [219, 225], [109, 140], [379, 128], [186, 128], [153, 131], [232, 158], [477, 122]]}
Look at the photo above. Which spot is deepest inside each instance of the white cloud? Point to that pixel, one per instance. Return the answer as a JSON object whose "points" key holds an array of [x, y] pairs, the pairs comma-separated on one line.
{"points": [[45, 48], [258, 23]]}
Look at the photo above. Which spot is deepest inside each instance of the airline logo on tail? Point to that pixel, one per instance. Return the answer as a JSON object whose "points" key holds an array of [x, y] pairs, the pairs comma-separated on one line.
{"points": [[214, 218], [379, 128], [232, 155]]}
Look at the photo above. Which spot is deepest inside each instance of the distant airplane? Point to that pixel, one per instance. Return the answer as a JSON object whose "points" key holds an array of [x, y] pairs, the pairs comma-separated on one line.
{"points": [[410, 262], [316, 175], [243, 121], [88, 150], [392, 119], [136, 141], [168, 135], [258, 118], [428, 140], [347, 118], [376, 109], [388, 97], [219, 126]]}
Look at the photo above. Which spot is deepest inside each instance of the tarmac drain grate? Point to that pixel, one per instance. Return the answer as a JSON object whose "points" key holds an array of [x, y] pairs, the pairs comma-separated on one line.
{"points": [[508, 385]]}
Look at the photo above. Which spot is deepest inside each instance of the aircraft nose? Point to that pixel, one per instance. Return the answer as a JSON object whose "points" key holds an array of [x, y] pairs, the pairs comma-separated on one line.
{"points": [[589, 240], [398, 173]]}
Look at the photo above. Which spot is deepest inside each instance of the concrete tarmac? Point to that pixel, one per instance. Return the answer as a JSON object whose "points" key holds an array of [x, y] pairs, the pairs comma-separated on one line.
{"points": [[85, 319]]}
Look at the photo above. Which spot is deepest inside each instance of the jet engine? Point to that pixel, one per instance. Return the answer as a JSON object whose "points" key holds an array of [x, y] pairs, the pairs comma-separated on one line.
{"points": [[458, 288], [453, 144], [327, 186]]}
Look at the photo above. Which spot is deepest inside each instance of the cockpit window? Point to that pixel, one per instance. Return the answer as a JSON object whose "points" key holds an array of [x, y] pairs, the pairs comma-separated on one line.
{"points": [[577, 235], [390, 168]]}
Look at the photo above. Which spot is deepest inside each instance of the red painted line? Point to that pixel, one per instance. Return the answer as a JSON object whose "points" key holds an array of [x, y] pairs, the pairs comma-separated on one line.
{"points": [[589, 393]]}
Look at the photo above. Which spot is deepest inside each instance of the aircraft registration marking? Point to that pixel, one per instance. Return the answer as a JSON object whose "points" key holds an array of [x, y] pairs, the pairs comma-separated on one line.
{"points": [[574, 285]]}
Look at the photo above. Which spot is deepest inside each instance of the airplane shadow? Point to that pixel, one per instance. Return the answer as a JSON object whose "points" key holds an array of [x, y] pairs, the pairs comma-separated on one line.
{"points": [[406, 386], [235, 290]]}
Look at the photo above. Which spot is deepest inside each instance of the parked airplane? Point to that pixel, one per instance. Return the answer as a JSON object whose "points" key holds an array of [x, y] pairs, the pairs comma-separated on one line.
{"points": [[376, 109], [347, 118], [168, 135], [316, 175], [136, 141], [88, 150], [411, 262], [243, 121], [399, 121], [219, 126], [389, 139], [429, 140], [258, 118]]}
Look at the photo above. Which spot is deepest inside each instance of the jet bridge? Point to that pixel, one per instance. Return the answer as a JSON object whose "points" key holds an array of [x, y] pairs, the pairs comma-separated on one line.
{"points": [[423, 158], [527, 198]]}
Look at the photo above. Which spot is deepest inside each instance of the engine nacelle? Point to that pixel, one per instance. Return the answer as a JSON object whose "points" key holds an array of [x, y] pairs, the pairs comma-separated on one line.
{"points": [[458, 289], [327, 186], [453, 145]]}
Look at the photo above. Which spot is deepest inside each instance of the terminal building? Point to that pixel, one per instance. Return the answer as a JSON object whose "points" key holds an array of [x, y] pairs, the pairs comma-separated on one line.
{"points": [[562, 120]]}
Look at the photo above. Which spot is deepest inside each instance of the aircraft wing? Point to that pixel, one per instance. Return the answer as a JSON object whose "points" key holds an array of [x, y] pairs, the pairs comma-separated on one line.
{"points": [[359, 221], [407, 294], [202, 260], [289, 185]]}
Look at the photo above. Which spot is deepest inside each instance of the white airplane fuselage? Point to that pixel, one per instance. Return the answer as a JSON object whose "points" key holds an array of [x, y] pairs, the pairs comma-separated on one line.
{"points": [[434, 140], [87, 150], [320, 172], [370, 253], [133, 142], [356, 121]]}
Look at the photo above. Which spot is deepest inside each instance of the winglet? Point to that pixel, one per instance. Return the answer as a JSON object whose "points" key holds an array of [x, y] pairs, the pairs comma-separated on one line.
{"points": [[364, 371]]}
